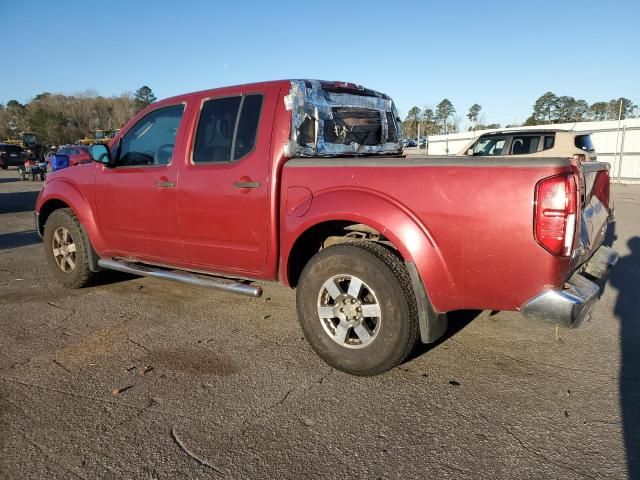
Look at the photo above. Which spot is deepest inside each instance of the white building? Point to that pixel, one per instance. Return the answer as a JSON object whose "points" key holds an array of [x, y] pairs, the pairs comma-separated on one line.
{"points": [[620, 147]]}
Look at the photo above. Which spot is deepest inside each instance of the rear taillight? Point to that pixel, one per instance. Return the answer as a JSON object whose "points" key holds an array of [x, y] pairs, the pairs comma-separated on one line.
{"points": [[556, 204]]}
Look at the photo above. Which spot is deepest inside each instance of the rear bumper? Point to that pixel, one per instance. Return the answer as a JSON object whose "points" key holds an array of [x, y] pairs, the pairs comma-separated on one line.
{"points": [[570, 306]]}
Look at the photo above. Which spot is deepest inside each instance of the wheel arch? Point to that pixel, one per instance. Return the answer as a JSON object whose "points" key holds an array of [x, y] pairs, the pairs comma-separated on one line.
{"points": [[61, 194], [331, 211]]}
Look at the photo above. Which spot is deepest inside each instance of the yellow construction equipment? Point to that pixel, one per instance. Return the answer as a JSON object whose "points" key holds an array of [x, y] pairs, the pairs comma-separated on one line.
{"points": [[99, 136], [29, 144]]}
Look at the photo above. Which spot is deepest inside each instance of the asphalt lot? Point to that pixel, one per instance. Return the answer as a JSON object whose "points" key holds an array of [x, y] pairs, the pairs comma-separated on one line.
{"points": [[140, 378]]}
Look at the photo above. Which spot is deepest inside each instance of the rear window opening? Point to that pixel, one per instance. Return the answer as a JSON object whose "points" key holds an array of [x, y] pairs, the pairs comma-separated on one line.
{"points": [[341, 119], [583, 142]]}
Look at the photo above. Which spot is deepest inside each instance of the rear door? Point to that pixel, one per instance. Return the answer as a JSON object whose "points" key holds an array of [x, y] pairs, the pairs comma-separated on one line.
{"points": [[137, 200], [224, 188]]}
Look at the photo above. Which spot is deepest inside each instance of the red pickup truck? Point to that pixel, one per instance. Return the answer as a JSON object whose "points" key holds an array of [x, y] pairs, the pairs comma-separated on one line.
{"points": [[304, 182]]}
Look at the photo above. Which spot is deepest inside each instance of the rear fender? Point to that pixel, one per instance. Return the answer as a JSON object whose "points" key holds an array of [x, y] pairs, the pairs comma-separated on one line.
{"points": [[404, 230]]}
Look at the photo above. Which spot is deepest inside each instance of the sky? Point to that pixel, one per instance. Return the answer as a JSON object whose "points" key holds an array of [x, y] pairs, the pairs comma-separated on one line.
{"points": [[501, 54]]}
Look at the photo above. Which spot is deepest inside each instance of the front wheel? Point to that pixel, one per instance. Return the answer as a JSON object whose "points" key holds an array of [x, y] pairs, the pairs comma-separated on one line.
{"points": [[66, 250], [357, 308]]}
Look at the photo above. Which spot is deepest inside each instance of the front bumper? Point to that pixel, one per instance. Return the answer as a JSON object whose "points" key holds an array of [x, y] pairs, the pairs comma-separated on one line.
{"points": [[569, 306]]}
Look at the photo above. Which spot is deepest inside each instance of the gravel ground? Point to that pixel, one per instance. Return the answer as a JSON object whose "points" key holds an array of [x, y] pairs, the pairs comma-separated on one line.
{"points": [[140, 378]]}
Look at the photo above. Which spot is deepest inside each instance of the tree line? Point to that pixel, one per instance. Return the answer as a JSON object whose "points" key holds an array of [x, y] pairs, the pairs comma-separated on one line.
{"points": [[62, 119], [551, 108], [441, 119], [548, 108]]}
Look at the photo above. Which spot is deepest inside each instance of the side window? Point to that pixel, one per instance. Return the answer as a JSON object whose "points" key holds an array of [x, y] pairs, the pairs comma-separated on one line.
{"points": [[523, 145], [227, 129], [151, 141], [489, 146], [549, 141], [214, 137], [247, 126], [584, 142]]}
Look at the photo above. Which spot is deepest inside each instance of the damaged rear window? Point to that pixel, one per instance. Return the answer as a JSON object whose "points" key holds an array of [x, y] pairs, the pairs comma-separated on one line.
{"points": [[333, 119]]}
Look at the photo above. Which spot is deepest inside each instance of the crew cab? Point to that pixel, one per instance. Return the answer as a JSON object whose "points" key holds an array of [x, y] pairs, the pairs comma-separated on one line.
{"points": [[304, 182]]}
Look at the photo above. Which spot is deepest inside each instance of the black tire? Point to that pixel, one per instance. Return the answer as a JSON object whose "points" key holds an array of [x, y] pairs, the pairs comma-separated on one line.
{"points": [[79, 275], [382, 272]]}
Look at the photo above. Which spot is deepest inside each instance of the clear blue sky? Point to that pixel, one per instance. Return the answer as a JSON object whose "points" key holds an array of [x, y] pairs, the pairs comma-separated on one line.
{"points": [[501, 54]]}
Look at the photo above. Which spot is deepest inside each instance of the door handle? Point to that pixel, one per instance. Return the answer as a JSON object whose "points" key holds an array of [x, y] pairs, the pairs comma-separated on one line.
{"points": [[164, 184], [246, 184]]}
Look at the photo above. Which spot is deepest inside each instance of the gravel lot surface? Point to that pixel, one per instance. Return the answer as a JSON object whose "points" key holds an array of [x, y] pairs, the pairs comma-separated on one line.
{"points": [[140, 378]]}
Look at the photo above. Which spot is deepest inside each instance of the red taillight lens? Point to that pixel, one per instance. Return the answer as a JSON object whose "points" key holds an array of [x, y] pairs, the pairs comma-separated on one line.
{"points": [[556, 205]]}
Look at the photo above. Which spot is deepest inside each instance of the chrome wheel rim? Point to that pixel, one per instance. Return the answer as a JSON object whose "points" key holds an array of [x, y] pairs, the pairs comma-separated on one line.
{"points": [[64, 249], [349, 311]]}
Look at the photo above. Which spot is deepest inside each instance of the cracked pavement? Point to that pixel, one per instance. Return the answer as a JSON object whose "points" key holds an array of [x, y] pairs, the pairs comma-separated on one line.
{"points": [[141, 378]]}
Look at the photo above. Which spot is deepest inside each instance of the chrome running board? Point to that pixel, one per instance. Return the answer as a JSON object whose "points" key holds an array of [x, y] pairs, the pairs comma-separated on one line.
{"points": [[184, 277]]}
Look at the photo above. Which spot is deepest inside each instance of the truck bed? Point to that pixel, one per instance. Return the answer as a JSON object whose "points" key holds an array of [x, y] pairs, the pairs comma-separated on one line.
{"points": [[467, 223]]}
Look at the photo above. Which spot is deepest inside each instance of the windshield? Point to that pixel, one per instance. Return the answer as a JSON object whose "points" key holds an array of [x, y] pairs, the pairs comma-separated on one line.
{"points": [[489, 146], [29, 139]]}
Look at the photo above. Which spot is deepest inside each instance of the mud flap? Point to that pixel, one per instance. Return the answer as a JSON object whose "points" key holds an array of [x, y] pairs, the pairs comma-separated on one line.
{"points": [[432, 324]]}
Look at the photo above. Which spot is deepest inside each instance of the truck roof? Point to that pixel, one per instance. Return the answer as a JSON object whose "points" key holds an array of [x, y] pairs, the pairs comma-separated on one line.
{"points": [[331, 85], [525, 130]]}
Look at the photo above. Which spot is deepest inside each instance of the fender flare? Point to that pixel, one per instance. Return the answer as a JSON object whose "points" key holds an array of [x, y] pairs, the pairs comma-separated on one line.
{"points": [[388, 216], [64, 191]]}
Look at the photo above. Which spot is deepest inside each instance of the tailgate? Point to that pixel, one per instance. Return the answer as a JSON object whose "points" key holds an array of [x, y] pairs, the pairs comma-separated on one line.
{"points": [[596, 211]]}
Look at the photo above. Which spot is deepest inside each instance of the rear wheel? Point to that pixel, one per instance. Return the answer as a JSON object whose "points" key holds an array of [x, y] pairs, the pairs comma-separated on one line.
{"points": [[65, 249], [357, 308]]}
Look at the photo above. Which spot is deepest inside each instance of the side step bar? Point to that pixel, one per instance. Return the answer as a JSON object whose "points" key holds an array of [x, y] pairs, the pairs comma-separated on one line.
{"points": [[184, 277]]}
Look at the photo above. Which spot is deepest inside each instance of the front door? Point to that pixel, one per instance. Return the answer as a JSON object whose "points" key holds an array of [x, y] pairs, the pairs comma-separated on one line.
{"points": [[224, 191], [137, 199]]}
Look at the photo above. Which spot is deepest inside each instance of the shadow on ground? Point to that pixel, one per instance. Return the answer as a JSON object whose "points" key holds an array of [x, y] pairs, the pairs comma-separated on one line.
{"points": [[456, 321], [18, 239], [14, 202], [625, 277]]}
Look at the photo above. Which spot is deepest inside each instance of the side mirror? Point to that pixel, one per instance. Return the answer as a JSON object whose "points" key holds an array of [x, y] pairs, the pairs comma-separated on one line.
{"points": [[100, 153]]}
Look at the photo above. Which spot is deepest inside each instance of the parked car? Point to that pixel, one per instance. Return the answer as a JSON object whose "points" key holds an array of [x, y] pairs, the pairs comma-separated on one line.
{"points": [[410, 142], [78, 154], [534, 143], [264, 182], [10, 156], [423, 143]]}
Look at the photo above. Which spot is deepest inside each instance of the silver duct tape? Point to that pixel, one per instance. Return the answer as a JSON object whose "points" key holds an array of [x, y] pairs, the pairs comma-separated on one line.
{"points": [[312, 101]]}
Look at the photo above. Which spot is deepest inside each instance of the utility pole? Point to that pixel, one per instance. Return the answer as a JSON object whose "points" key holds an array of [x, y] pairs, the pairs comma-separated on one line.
{"points": [[617, 139], [446, 134]]}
